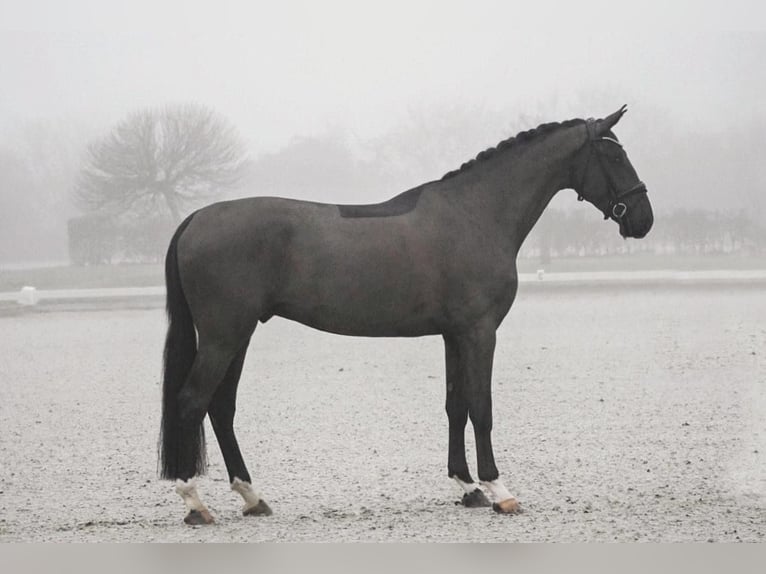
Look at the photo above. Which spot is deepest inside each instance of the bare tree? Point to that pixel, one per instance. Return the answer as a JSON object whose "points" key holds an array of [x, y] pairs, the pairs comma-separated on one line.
{"points": [[161, 160]]}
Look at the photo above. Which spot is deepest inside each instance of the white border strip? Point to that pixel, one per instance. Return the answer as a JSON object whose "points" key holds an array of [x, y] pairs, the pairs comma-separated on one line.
{"points": [[595, 277]]}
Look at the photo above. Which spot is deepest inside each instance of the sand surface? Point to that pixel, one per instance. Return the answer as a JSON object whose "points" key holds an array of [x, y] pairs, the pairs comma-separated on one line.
{"points": [[620, 415]]}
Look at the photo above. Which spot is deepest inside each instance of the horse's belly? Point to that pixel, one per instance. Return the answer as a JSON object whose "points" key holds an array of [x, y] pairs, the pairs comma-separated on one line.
{"points": [[352, 306], [362, 326]]}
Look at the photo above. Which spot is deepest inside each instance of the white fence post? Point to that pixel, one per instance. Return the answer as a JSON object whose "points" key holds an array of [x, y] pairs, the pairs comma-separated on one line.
{"points": [[28, 296]]}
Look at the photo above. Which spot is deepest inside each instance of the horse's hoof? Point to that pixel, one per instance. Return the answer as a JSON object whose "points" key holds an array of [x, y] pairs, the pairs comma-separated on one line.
{"points": [[507, 506], [196, 517], [260, 509], [475, 499]]}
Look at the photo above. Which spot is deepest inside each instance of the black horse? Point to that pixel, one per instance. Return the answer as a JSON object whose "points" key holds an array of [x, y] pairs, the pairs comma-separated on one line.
{"points": [[439, 259]]}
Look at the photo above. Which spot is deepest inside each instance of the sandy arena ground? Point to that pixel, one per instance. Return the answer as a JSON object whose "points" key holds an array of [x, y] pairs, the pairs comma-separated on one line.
{"points": [[620, 415]]}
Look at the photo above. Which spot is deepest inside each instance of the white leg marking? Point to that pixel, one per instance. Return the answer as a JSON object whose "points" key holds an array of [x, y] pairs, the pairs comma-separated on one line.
{"points": [[245, 489], [498, 490], [188, 491], [468, 487]]}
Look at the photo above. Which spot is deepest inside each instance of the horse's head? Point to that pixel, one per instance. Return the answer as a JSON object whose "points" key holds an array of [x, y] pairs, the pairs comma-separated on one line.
{"points": [[603, 174]]}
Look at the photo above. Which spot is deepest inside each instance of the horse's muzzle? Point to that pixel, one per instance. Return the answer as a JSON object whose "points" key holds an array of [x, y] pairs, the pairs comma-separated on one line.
{"points": [[637, 226]]}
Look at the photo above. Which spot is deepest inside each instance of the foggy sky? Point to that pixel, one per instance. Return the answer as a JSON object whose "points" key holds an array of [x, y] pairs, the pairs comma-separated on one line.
{"points": [[282, 69]]}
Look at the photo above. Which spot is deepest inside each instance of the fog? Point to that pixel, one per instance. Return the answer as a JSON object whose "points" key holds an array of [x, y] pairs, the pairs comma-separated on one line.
{"points": [[387, 76]]}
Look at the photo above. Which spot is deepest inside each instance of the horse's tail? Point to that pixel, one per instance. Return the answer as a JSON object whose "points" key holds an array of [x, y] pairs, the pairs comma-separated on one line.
{"points": [[179, 451]]}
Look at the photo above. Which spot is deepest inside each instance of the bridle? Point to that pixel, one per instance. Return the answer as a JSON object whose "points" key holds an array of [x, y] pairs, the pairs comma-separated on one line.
{"points": [[616, 208]]}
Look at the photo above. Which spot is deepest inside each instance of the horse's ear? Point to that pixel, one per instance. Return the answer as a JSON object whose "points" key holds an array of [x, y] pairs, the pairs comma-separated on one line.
{"points": [[603, 126]]}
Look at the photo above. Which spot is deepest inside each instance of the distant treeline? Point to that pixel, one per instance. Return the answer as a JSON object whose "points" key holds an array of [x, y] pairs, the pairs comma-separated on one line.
{"points": [[681, 232], [99, 239], [42, 164]]}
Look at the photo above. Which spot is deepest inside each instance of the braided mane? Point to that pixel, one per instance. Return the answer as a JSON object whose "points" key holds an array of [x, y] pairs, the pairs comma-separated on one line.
{"points": [[521, 137]]}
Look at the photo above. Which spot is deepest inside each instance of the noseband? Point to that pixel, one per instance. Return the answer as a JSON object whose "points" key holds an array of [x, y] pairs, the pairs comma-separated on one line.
{"points": [[616, 207]]}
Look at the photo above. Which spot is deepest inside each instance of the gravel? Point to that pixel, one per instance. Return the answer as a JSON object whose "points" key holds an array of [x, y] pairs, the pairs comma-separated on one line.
{"points": [[620, 415]]}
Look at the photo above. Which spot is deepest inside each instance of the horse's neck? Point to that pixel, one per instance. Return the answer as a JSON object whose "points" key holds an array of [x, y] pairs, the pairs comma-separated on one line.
{"points": [[514, 186]]}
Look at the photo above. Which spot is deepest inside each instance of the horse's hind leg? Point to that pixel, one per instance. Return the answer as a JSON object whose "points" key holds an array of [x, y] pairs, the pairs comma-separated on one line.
{"points": [[221, 412], [208, 371]]}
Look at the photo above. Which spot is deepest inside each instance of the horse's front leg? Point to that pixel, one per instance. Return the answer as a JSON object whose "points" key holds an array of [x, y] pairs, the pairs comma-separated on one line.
{"points": [[457, 413], [476, 351]]}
